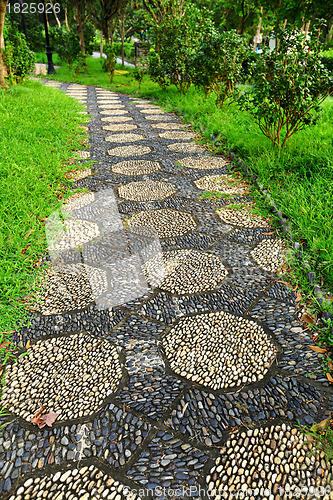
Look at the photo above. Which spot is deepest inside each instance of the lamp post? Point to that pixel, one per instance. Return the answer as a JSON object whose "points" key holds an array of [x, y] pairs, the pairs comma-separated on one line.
{"points": [[50, 66]]}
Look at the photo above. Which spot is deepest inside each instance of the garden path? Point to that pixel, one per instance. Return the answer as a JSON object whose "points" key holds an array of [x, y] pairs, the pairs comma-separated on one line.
{"points": [[163, 338]]}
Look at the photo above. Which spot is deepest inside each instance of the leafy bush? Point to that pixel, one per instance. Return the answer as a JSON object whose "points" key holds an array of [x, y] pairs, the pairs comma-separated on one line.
{"points": [[67, 43], [80, 64], [109, 63], [35, 30], [18, 57], [327, 59], [289, 84], [175, 40], [140, 71], [218, 64], [128, 50]]}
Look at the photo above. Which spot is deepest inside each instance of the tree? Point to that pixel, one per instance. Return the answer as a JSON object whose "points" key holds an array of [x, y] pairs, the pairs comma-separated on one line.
{"points": [[159, 10], [3, 67], [289, 84], [103, 12]]}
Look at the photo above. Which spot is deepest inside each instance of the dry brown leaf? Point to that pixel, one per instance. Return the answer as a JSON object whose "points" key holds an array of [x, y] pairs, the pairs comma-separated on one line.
{"points": [[36, 419], [308, 318], [28, 344], [298, 296], [47, 419], [322, 426], [269, 234], [317, 349], [50, 418], [329, 378]]}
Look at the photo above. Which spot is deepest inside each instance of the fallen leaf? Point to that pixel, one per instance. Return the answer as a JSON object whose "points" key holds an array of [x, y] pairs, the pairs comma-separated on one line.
{"points": [[322, 426], [329, 378], [317, 349], [298, 296], [36, 419], [28, 344], [308, 318], [41, 420], [330, 364], [50, 418]]}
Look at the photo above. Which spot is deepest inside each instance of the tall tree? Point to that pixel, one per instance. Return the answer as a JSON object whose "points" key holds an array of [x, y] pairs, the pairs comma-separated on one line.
{"points": [[160, 9], [3, 68], [103, 12]]}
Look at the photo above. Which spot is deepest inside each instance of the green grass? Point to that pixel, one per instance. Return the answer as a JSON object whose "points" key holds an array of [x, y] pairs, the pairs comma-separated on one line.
{"points": [[40, 127], [40, 57], [300, 177]]}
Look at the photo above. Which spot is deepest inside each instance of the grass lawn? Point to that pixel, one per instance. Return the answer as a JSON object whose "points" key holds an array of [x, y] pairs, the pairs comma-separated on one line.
{"points": [[300, 177], [40, 127]]}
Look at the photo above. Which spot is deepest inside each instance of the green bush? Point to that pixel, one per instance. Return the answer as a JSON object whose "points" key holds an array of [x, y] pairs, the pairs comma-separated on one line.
{"points": [[327, 59], [18, 57], [218, 64], [109, 63], [289, 84], [128, 50], [67, 43], [176, 39]]}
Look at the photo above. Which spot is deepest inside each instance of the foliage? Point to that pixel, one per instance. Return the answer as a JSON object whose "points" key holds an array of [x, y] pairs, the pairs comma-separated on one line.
{"points": [[321, 436], [66, 43], [289, 84], [327, 59], [80, 64], [139, 71], [218, 64], [176, 39], [34, 28], [109, 63], [128, 49], [18, 57], [39, 128]]}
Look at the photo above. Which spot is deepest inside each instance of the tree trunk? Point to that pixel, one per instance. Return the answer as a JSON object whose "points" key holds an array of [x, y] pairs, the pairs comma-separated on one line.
{"points": [[106, 32], [101, 49], [255, 43], [3, 68], [66, 19], [79, 21], [55, 15], [122, 36]]}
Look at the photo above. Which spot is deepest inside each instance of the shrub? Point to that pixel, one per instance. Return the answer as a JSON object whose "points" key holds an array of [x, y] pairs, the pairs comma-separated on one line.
{"points": [[67, 43], [289, 84], [327, 59], [218, 64], [80, 64], [109, 63], [140, 71], [18, 57], [175, 41]]}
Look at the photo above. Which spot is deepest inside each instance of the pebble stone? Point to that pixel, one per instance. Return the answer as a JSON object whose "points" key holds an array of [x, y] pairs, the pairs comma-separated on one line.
{"points": [[136, 167], [84, 154], [221, 184], [166, 222], [151, 111], [169, 126], [179, 135], [185, 271], [70, 234], [116, 112], [111, 106], [276, 458], [129, 151], [120, 127], [219, 350], [77, 201], [69, 375], [146, 190], [69, 287], [83, 483], [244, 217], [203, 163], [270, 254], [78, 174], [119, 138], [116, 119], [184, 147]]}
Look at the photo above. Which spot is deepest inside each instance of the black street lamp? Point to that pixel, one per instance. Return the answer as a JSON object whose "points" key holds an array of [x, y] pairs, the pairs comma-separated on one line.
{"points": [[50, 66]]}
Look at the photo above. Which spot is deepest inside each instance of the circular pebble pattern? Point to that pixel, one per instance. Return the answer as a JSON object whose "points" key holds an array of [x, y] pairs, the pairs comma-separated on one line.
{"points": [[176, 135], [72, 233], [70, 287], [129, 151], [165, 117], [78, 174], [184, 147], [244, 217], [114, 113], [84, 154], [166, 222], [271, 457], [169, 126], [269, 254], [188, 271], [203, 163], [119, 138], [151, 111], [221, 184], [83, 483], [77, 201], [117, 119], [70, 376], [146, 190], [136, 167], [111, 106], [120, 127], [219, 350]]}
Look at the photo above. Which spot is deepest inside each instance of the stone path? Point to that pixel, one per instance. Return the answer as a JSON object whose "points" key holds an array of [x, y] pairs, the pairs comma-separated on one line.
{"points": [[162, 337]]}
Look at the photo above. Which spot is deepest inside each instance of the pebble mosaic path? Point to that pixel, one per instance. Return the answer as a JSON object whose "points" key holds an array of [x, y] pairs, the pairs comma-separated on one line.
{"points": [[195, 388]]}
